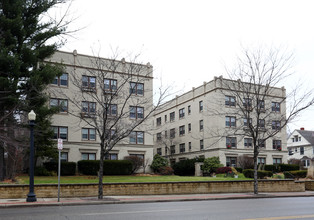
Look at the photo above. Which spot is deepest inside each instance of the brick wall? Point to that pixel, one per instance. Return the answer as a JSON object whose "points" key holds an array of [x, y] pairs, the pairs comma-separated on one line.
{"points": [[85, 190]]}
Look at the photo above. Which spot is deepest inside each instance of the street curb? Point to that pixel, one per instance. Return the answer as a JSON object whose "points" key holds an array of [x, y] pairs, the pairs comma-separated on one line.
{"points": [[143, 200]]}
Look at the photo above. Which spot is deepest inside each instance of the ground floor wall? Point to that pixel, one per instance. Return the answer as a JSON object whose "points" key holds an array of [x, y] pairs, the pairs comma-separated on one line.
{"points": [[86, 190]]}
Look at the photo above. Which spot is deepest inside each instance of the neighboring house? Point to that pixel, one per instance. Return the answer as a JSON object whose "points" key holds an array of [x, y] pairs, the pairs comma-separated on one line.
{"points": [[301, 146], [80, 140], [203, 123]]}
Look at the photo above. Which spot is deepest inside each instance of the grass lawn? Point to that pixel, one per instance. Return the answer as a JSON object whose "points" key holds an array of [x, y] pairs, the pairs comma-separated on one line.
{"points": [[121, 179]]}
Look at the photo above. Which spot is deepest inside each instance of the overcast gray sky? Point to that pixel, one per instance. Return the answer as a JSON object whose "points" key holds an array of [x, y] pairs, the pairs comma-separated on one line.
{"points": [[189, 42]]}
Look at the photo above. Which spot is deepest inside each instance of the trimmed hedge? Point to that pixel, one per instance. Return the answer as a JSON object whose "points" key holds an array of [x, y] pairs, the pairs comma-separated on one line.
{"points": [[295, 174], [88, 167], [239, 169], [261, 174], [282, 167], [67, 168], [111, 167], [42, 171], [186, 167]]}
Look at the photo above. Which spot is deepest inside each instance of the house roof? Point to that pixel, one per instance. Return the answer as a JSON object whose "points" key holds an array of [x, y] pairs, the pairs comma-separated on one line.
{"points": [[308, 135]]}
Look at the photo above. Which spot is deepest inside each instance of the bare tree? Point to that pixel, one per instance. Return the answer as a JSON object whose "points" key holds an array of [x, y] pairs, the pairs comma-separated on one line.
{"points": [[254, 97], [121, 102]]}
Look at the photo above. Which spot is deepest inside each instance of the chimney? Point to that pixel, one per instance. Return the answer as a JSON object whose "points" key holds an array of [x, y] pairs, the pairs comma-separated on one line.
{"points": [[302, 129]]}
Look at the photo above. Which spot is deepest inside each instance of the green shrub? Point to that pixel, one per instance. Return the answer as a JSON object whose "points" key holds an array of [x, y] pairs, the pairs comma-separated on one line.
{"points": [[239, 169], [288, 167], [159, 162], [272, 168], [211, 164], [184, 168], [88, 167], [67, 168], [117, 167], [296, 174], [42, 171], [261, 174]]}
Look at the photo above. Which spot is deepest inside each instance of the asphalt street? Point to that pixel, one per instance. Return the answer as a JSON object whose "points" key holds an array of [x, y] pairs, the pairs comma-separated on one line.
{"points": [[244, 209]]}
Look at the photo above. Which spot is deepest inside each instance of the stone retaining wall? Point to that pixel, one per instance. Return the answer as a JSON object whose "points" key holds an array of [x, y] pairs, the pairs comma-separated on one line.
{"points": [[309, 185], [85, 190]]}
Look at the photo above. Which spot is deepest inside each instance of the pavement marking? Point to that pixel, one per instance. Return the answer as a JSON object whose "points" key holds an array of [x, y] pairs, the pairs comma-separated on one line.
{"points": [[136, 212], [283, 217]]}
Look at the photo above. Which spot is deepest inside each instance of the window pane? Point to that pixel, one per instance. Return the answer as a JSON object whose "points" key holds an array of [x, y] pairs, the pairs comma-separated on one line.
{"points": [[133, 137], [92, 156], [92, 82], [63, 133], [53, 102], [132, 112], [140, 89], [55, 81], [64, 156], [55, 132], [64, 79], [140, 137], [92, 107], [85, 81], [84, 156], [84, 106], [107, 84], [92, 134], [63, 105], [84, 133], [140, 112]]}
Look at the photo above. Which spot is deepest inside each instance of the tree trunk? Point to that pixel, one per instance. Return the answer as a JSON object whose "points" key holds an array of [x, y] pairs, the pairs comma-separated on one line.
{"points": [[101, 172], [2, 166], [255, 171]]}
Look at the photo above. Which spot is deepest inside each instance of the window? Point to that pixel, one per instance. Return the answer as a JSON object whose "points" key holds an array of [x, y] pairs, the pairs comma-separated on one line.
{"points": [[231, 142], [110, 134], [189, 127], [231, 161], [111, 109], [61, 103], [181, 113], [89, 107], [172, 116], [230, 121], [166, 150], [88, 156], [248, 142], [201, 125], [189, 109], [275, 125], [172, 149], [299, 138], [158, 121], [136, 88], [202, 144], [61, 80], [110, 85], [295, 139], [230, 101], [158, 135], [261, 104], [182, 130], [165, 118], [88, 134], [301, 150], [261, 123], [64, 156], [247, 103], [200, 106], [166, 134], [172, 133], [275, 106], [159, 151], [277, 144], [137, 137], [89, 83], [261, 143], [60, 132], [136, 112], [261, 160], [277, 161], [247, 122], [190, 146], [109, 156], [182, 148]]}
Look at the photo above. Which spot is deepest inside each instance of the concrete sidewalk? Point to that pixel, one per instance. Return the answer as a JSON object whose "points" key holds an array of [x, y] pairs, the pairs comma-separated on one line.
{"points": [[5, 203]]}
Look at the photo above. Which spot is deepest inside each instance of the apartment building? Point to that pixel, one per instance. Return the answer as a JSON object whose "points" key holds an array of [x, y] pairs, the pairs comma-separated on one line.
{"points": [[301, 146], [94, 94], [209, 121]]}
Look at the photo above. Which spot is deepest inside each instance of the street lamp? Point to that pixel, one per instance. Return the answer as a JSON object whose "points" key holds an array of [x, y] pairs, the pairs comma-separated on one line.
{"points": [[31, 196]]}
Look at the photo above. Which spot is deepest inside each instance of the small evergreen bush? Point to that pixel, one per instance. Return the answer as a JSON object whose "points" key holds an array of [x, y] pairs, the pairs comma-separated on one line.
{"points": [[88, 167], [295, 174], [67, 168], [261, 174], [42, 171], [159, 162]]}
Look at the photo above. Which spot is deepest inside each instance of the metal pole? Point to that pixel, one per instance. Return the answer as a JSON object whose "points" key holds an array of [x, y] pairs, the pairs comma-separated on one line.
{"points": [[59, 169], [31, 196]]}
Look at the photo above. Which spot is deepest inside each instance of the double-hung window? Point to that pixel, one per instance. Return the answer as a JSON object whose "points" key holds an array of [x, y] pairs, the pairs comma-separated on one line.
{"points": [[110, 85], [277, 144], [200, 104], [61, 80], [89, 107], [182, 130], [158, 121], [88, 134], [248, 142], [136, 112], [60, 132], [136, 88], [231, 142], [172, 133], [230, 121], [88, 83], [172, 116], [182, 148], [230, 101], [111, 109], [247, 103], [137, 137], [158, 135], [201, 125], [181, 113], [61, 103], [275, 106], [247, 122], [275, 125]]}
